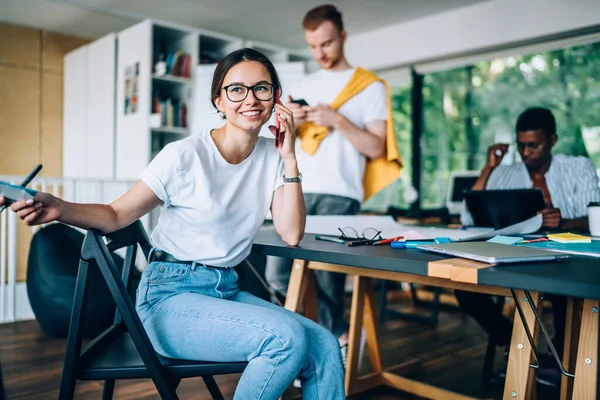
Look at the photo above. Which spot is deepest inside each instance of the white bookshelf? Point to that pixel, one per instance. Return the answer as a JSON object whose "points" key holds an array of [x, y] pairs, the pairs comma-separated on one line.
{"points": [[171, 129], [176, 80], [145, 44]]}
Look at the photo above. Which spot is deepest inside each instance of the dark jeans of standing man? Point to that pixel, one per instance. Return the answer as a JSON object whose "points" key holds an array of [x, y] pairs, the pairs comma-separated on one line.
{"points": [[330, 285]]}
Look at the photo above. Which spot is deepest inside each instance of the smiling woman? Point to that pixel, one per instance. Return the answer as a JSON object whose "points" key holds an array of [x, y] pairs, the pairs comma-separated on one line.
{"points": [[215, 189]]}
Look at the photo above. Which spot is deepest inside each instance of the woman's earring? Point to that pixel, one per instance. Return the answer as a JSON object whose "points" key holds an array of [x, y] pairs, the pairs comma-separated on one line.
{"points": [[222, 114]]}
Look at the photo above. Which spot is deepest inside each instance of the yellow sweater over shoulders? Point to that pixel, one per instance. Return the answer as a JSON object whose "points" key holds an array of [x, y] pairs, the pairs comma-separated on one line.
{"points": [[379, 172]]}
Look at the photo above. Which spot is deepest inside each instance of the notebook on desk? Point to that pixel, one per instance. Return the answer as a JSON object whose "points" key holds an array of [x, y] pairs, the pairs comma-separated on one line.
{"points": [[493, 253]]}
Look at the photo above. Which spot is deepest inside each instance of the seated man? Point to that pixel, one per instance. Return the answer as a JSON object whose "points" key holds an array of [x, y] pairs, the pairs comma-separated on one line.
{"points": [[568, 184]]}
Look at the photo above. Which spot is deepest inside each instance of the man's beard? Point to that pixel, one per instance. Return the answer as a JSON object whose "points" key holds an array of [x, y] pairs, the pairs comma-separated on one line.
{"points": [[332, 63]]}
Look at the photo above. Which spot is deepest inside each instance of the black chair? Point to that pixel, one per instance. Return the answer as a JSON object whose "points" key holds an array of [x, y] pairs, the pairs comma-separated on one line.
{"points": [[124, 350]]}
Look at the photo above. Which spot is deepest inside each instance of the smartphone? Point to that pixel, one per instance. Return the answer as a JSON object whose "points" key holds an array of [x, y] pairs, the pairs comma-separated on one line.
{"points": [[302, 102], [278, 135], [12, 193]]}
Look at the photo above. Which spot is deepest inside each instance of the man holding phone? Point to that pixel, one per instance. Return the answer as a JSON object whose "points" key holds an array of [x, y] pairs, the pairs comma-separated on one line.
{"points": [[333, 168]]}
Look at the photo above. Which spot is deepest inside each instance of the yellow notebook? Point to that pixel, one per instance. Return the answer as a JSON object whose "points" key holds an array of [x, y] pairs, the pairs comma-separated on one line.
{"points": [[569, 238]]}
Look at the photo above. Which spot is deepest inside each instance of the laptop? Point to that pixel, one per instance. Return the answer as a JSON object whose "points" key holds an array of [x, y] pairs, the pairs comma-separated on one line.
{"points": [[493, 253], [502, 208], [459, 182]]}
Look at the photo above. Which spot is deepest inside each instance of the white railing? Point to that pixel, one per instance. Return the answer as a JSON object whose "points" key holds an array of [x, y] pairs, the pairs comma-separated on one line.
{"points": [[76, 190]]}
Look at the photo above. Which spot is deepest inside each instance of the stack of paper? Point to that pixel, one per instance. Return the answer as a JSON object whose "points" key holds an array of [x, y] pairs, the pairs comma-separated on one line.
{"points": [[569, 238]]}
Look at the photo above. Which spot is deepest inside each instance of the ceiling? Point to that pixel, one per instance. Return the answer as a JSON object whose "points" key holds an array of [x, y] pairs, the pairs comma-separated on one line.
{"points": [[275, 22]]}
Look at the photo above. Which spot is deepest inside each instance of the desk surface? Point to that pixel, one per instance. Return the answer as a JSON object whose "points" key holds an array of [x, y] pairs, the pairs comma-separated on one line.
{"points": [[578, 276]]}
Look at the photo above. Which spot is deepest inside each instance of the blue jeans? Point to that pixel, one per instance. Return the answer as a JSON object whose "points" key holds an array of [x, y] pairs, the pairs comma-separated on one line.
{"points": [[194, 312]]}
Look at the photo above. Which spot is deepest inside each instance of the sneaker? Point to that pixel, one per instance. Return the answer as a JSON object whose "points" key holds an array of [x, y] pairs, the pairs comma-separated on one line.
{"points": [[344, 351]]}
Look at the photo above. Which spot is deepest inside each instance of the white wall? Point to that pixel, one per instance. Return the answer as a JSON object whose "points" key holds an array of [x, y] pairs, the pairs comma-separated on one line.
{"points": [[493, 23]]}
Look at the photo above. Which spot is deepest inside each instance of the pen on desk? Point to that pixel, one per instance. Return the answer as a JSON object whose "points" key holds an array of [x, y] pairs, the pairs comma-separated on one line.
{"points": [[534, 241], [26, 181], [386, 241], [329, 239], [408, 245], [412, 244], [440, 239], [359, 242]]}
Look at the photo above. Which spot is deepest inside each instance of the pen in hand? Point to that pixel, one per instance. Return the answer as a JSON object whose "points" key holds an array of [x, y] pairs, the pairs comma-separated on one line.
{"points": [[26, 181]]}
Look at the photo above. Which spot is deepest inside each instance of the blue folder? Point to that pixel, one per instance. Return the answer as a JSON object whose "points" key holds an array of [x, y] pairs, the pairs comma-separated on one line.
{"points": [[585, 249]]}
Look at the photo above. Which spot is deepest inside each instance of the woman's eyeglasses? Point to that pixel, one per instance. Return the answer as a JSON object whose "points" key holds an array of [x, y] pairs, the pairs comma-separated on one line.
{"points": [[237, 92], [369, 234]]}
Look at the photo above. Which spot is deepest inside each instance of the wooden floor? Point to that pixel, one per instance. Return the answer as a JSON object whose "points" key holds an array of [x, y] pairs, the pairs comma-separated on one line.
{"points": [[452, 355]]}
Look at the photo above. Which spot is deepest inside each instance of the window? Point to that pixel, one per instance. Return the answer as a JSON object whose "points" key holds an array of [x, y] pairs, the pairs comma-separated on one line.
{"points": [[465, 110], [444, 142]]}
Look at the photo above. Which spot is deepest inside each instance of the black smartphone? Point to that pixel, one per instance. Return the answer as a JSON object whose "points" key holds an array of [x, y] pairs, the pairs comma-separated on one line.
{"points": [[302, 102]]}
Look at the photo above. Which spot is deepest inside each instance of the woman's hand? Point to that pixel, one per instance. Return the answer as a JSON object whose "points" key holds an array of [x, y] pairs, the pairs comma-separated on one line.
{"points": [[288, 127], [42, 209]]}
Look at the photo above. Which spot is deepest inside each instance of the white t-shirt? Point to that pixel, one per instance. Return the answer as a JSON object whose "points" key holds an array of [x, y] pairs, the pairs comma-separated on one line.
{"points": [[337, 167], [211, 209]]}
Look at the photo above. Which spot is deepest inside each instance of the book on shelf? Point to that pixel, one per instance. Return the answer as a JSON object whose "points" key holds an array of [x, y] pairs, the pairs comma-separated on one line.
{"points": [[173, 112], [176, 64]]}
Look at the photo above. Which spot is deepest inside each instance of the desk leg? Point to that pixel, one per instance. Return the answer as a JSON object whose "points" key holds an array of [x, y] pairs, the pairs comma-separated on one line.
{"points": [[573, 323], [363, 314], [370, 323], [586, 368], [520, 378], [302, 282], [311, 305], [356, 316]]}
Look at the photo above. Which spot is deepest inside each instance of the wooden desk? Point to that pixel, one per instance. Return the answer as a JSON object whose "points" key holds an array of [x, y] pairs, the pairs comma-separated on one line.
{"points": [[578, 277]]}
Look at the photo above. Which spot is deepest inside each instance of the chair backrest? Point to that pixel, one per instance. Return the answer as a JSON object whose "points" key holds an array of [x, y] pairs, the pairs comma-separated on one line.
{"points": [[96, 252], [94, 249]]}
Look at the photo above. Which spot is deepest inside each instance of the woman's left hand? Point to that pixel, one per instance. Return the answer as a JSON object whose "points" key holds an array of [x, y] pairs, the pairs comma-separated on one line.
{"points": [[288, 128]]}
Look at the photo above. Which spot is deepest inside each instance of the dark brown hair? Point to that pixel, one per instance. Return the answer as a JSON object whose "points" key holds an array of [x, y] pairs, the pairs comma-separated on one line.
{"points": [[320, 14], [234, 58]]}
